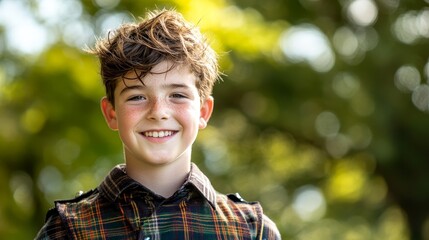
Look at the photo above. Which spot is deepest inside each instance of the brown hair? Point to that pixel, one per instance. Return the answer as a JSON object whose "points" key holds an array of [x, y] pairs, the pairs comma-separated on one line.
{"points": [[162, 35]]}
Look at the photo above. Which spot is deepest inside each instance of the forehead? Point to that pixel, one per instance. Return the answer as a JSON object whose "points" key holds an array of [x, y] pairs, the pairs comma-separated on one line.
{"points": [[163, 73]]}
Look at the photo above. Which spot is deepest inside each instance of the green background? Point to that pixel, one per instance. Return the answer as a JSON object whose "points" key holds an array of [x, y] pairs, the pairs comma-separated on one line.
{"points": [[321, 115]]}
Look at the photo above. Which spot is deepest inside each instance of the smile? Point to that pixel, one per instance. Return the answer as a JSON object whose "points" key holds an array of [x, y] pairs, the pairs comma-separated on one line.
{"points": [[158, 134]]}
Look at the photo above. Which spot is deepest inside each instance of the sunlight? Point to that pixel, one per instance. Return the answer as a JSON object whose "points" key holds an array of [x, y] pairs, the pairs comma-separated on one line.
{"points": [[108, 4], [347, 182], [420, 97], [362, 12], [346, 42], [307, 43], [55, 12], [309, 203], [23, 33], [407, 78], [50, 181], [411, 26], [327, 124], [110, 21]]}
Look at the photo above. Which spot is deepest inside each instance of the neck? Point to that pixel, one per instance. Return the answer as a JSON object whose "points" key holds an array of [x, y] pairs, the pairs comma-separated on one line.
{"points": [[163, 180]]}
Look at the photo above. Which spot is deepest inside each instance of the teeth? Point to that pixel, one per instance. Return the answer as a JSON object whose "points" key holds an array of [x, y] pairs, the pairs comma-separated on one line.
{"points": [[158, 134]]}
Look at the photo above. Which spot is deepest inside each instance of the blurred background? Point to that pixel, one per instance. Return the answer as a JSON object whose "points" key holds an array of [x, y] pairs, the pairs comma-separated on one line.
{"points": [[322, 114]]}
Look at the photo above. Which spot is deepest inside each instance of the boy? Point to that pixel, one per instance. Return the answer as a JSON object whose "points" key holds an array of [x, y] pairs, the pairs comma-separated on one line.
{"points": [[158, 76]]}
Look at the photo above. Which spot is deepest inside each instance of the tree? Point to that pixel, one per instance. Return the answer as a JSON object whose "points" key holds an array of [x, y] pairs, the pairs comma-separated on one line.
{"points": [[320, 115]]}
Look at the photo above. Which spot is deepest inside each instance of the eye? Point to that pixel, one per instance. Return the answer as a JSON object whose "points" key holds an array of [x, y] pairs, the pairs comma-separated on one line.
{"points": [[136, 98], [178, 95]]}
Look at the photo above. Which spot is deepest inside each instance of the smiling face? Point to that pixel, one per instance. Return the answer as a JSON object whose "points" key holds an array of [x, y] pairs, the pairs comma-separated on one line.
{"points": [[158, 121]]}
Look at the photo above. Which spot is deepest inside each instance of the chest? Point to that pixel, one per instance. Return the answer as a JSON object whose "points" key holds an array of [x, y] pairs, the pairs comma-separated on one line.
{"points": [[178, 220]]}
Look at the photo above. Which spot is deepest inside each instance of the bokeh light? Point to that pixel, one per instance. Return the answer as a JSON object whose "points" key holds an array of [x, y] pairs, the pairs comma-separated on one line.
{"points": [[327, 124], [307, 43], [20, 26], [309, 203], [345, 85], [420, 97], [407, 78], [362, 12], [316, 100], [412, 26]]}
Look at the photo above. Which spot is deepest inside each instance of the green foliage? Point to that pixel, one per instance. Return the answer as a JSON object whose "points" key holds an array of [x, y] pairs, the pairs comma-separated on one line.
{"points": [[333, 146]]}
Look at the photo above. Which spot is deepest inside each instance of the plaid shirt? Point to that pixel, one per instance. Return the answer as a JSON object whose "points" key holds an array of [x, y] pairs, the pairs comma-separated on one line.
{"points": [[121, 208]]}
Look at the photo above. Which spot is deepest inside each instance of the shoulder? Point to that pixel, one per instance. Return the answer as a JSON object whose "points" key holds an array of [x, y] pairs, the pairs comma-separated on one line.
{"points": [[79, 203], [252, 212], [235, 199], [269, 229], [55, 226], [80, 198], [233, 206]]}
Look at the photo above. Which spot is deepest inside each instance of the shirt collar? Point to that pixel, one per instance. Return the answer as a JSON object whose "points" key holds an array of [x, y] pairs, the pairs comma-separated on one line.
{"points": [[118, 181], [202, 183]]}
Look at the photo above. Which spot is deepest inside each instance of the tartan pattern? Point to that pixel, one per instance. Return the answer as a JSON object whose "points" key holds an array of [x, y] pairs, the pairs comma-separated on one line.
{"points": [[121, 208]]}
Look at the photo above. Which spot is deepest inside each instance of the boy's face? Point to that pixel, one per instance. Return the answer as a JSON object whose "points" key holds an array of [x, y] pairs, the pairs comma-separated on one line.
{"points": [[158, 121]]}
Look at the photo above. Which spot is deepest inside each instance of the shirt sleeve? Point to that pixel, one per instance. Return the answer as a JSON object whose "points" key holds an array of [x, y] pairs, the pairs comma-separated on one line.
{"points": [[53, 227], [269, 230]]}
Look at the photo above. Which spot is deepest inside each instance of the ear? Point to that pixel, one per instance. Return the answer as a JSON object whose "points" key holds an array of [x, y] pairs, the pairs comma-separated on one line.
{"points": [[206, 111], [109, 113]]}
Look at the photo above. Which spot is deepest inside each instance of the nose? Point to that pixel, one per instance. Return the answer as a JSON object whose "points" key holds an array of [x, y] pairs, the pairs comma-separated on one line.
{"points": [[158, 110]]}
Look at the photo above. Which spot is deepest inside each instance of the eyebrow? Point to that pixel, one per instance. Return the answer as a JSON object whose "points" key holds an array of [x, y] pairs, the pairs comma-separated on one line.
{"points": [[175, 85], [127, 88], [164, 86]]}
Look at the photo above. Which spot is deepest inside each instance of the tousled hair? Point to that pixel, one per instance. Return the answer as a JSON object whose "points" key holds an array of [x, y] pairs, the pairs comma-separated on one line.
{"points": [[164, 35]]}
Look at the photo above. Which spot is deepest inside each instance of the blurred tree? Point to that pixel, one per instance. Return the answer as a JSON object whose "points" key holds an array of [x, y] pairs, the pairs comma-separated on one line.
{"points": [[375, 88], [321, 115]]}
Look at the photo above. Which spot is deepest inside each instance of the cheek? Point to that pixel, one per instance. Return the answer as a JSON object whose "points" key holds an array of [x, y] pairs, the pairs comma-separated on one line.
{"points": [[190, 113], [128, 117]]}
